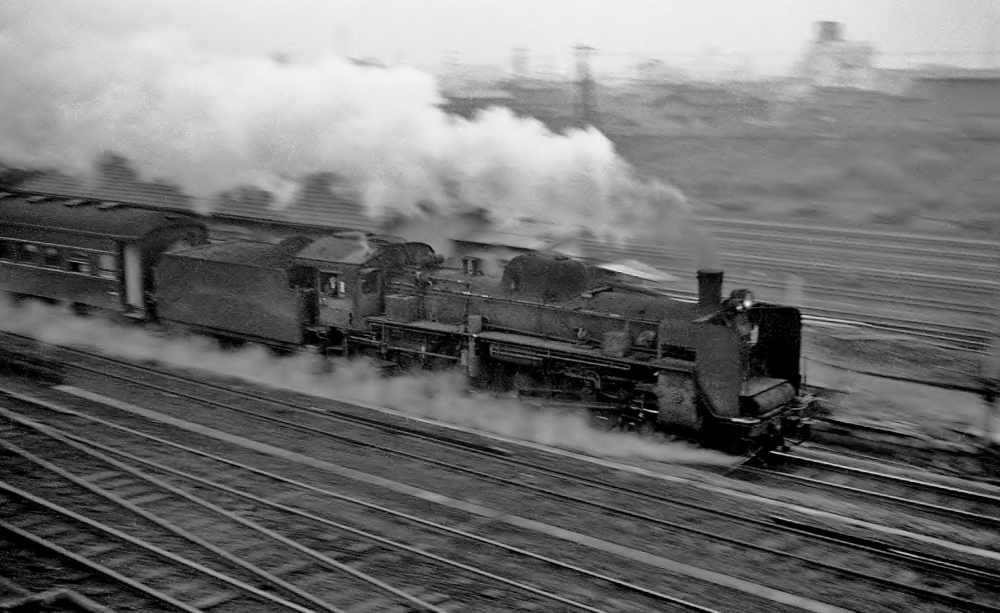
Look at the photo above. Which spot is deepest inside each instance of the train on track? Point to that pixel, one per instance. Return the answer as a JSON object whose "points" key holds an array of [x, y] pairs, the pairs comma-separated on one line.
{"points": [[724, 370]]}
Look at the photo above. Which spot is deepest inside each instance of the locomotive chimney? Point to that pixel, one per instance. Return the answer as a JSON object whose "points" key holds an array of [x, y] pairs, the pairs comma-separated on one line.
{"points": [[709, 289]]}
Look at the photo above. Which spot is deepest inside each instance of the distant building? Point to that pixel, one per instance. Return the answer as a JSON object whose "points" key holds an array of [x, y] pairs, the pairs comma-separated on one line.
{"points": [[832, 62], [468, 103], [700, 104], [658, 71], [966, 94], [899, 82]]}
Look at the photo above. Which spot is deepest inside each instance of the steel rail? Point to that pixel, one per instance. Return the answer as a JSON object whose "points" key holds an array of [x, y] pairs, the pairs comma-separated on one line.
{"points": [[918, 462], [926, 245], [936, 488], [741, 260], [115, 534], [99, 449], [860, 232], [972, 571], [974, 339], [825, 535], [62, 552], [493, 453], [941, 511], [83, 442], [224, 513], [819, 294]]}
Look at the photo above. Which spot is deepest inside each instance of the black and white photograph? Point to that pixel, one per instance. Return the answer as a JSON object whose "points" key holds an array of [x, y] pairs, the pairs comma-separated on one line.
{"points": [[475, 306]]}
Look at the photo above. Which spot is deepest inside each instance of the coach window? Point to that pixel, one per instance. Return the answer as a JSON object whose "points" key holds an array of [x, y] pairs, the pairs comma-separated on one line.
{"points": [[107, 266], [29, 253], [78, 262], [6, 250], [52, 258]]}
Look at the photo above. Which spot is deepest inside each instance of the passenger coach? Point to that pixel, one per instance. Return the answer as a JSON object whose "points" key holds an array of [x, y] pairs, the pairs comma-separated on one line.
{"points": [[90, 253]]}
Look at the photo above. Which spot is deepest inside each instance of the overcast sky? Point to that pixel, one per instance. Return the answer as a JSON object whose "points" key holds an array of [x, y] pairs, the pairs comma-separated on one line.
{"points": [[423, 32]]}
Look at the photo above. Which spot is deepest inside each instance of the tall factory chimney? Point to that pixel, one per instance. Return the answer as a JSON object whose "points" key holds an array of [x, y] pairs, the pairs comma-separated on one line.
{"points": [[829, 32], [586, 112]]}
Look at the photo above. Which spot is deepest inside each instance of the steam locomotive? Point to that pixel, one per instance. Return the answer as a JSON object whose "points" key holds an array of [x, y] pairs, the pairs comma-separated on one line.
{"points": [[723, 370]]}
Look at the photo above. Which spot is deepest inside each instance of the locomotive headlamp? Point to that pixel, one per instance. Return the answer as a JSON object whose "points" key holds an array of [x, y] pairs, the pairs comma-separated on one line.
{"points": [[741, 299]]}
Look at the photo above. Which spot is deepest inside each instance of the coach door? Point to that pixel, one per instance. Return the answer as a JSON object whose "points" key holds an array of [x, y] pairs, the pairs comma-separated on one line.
{"points": [[134, 290]]}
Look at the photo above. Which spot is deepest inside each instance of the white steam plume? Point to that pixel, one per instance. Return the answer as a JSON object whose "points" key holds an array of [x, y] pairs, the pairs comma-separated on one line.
{"points": [[210, 122], [437, 396]]}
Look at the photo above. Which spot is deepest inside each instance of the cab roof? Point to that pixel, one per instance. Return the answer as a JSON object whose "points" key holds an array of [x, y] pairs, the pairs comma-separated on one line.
{"points": [[97, 218], [338, 249]]}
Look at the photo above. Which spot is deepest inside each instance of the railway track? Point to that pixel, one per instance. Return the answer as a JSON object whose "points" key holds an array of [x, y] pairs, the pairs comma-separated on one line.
{"points": [[912, 245], [643, 509], [258, 492], [957, 467], [959, 506], [931, 261], [43, 508], [947, 335], [810, 258], [976, 262], [906, 301], [745, 227], [32, 579], [964, 578], [296, 553], [820, 294]]}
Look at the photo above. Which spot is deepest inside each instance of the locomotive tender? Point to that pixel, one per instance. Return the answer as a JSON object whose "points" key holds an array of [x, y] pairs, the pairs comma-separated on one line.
{"points": [[723, 370]]}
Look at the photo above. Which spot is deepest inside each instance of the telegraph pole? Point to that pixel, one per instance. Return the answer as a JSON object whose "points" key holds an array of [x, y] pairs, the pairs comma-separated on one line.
{"points": [[586, 111]]}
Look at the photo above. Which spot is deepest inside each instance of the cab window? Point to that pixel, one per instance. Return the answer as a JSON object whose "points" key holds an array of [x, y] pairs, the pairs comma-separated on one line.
{"points": [[107, 266], [29, 253], [332, 286], [52, 258]]}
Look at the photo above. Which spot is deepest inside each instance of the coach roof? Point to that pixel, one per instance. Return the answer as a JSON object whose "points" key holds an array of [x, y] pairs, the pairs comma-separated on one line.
{"points": [[86, 217]]}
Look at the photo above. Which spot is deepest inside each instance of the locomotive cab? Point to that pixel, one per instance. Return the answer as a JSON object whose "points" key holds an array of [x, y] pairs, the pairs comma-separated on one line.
{"points": [[347, 289], [352, 274], [347, 293]]}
